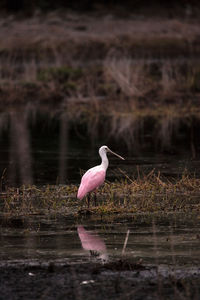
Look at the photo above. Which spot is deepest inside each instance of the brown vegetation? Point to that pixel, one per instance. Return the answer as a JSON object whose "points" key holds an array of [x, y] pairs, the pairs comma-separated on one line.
{"points": [[149, 193], [58, 56]]}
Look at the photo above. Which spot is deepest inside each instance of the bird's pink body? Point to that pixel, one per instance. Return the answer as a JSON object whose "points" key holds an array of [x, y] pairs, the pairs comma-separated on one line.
{"points": [[91, 180]]}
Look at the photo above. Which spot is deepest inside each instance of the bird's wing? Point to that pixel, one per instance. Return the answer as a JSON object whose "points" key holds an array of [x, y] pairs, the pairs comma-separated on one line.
{"points": [[92, 179]]}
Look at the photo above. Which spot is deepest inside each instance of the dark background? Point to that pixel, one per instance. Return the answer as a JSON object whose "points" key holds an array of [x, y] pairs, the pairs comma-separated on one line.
{"points": [[168, 8]]}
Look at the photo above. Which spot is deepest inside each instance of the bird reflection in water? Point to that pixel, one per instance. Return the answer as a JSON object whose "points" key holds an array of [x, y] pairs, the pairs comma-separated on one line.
{"points": [[93, 243]]}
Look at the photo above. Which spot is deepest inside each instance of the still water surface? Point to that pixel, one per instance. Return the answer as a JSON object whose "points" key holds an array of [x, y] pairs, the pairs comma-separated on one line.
{"points": [[171, 240]]}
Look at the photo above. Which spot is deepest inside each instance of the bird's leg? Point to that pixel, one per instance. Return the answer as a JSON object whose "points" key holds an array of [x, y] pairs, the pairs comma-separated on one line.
{"points": [[81, 205], [95, 199], [88, 200]]}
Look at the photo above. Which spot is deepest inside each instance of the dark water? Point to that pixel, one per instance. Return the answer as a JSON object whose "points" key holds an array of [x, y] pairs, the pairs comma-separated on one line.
{"points": [[48, 147], [170, 240]]}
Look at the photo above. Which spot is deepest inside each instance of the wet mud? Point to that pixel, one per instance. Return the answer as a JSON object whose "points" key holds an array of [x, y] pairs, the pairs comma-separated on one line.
{"points": [[116, 280]]}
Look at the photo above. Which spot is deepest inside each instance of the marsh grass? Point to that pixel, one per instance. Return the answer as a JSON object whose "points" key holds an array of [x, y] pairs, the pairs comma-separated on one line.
{"points": [[50, 57], [149, 194]]}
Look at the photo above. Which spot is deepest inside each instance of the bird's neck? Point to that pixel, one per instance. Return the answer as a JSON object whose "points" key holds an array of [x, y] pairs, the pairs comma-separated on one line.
{"points": [[104, 161]]}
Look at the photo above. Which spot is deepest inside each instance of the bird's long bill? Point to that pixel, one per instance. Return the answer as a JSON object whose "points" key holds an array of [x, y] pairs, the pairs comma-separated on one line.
{"points": [[116, 154]]}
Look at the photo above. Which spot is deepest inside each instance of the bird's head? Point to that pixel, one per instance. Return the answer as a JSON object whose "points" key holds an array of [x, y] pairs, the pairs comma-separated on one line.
{"points": [[105, 149]]}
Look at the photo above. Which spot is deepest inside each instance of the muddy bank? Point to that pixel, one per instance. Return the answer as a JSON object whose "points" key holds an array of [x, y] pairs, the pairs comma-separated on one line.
{"points": [[90, 36], [94, 281]]}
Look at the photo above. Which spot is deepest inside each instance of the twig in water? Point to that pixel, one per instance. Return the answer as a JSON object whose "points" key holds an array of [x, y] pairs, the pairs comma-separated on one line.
{"points": [[125, 242]]}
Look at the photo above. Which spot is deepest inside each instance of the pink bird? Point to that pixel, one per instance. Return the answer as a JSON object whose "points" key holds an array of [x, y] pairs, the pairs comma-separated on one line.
{"points": [[95, 176]]}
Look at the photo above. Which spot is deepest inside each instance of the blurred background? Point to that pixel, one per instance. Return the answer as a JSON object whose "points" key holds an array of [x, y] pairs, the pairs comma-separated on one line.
{"points": [[75, 75]]}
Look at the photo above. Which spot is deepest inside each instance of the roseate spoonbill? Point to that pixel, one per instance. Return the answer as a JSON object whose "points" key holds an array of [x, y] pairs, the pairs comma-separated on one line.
{"points": [[95, 176]]}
